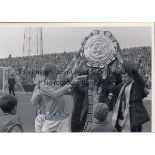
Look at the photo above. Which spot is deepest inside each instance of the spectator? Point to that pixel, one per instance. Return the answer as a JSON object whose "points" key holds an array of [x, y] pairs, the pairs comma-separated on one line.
{"points": [[9, 120], [100, 123], [11, 82]]}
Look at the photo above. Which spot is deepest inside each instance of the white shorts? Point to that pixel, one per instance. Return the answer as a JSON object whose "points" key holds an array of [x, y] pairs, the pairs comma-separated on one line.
{"points": [[39, 121], [56, 125]]}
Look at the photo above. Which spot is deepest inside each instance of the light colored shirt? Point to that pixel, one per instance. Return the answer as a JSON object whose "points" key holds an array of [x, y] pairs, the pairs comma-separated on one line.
{"points": [[50, 97]]}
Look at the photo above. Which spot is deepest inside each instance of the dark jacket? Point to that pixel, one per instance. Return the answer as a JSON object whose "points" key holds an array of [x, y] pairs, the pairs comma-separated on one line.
{"points": [[80, 99], [11, 82], [138, 113]]}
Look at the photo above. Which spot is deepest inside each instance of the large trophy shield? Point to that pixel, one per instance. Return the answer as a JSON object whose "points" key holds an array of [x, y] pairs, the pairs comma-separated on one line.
{"points": [[100, 48]]}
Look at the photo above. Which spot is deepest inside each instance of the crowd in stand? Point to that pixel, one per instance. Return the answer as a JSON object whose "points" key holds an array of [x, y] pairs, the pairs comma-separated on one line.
{"points": [[25, 66]]}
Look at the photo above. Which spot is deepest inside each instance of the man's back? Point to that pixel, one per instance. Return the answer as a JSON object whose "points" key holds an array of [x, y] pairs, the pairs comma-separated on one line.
{"points": [[10, 123], [100, 127]]}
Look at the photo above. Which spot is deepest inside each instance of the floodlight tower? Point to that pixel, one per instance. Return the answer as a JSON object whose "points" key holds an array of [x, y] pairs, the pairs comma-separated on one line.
{"points": [[33, 41]]}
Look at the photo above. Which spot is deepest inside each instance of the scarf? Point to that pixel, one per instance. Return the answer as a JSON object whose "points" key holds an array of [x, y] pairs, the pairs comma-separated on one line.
{"points": [[123, 103]]}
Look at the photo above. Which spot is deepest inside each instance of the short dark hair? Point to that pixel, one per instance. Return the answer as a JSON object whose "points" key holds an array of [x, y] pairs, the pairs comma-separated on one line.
{"points": [[7, 103]]}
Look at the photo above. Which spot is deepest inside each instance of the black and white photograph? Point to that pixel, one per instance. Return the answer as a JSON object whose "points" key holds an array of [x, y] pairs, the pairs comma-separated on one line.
{"points": [[76, 77]]}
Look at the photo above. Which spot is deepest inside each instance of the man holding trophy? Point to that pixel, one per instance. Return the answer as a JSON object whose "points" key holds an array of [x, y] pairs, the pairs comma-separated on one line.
{"points": [[109, 81]]}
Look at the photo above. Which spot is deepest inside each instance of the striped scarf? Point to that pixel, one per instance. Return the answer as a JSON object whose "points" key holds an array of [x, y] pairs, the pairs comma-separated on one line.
{"points": [[123, 103]]}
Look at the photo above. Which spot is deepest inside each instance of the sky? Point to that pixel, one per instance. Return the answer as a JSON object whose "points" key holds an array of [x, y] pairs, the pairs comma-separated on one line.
{"points": [[59, 39]]}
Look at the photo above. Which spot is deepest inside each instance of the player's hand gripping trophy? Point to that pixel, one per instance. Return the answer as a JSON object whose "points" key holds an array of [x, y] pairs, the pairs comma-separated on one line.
{"points": [[71, 73]]}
